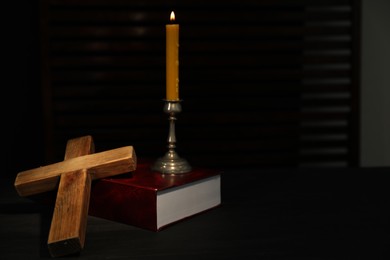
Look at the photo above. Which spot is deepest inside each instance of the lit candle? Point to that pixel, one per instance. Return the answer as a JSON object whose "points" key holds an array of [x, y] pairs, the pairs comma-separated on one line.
{"points": [[172, 60]]}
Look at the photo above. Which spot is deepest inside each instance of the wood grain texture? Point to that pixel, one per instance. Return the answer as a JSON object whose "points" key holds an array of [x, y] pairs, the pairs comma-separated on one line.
{"points": [[69, 222], [79, 146], [99, 165]]}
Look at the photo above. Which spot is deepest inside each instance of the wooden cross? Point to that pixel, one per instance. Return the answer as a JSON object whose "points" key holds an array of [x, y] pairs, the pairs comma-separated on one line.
{"points": [[73, 177]]}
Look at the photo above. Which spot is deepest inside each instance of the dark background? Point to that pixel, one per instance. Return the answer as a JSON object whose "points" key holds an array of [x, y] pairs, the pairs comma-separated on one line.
{"points": [[22, 99], [255, 122]]}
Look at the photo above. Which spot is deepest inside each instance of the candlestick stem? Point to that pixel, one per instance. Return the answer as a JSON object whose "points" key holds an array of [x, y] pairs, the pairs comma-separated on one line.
{"points": [[171, 162]]}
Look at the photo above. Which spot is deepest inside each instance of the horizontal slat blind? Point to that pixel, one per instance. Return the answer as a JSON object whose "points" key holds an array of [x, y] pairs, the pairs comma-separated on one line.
{"points": [[264, 83]]}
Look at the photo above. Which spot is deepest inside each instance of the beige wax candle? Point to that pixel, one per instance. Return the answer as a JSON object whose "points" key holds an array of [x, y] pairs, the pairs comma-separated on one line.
{"points": [[172, 60]]}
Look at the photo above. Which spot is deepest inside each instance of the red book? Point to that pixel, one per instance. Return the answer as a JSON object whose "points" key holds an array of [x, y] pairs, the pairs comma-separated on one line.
{"points": [[151, 200]]}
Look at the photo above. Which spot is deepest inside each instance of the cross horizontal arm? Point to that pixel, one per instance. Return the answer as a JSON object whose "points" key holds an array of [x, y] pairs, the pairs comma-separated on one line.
{"points": [[99, 165]]}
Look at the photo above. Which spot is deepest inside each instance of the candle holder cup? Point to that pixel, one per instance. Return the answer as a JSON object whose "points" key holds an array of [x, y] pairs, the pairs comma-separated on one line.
{"points": [[171, 162]]}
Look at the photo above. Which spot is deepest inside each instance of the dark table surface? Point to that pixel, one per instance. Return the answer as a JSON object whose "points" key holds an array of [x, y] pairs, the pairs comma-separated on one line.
{"points": [[334, 213]]}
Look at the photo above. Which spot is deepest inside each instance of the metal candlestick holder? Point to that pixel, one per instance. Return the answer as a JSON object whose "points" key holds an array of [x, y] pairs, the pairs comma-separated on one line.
{"points": [[171, 162]]}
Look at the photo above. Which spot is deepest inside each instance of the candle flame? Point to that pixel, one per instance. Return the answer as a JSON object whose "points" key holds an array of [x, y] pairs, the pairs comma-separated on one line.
{"points": [[172, 18]]}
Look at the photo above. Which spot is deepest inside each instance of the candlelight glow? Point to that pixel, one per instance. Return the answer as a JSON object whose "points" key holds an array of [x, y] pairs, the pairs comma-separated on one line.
{"points": [[172, 18]]}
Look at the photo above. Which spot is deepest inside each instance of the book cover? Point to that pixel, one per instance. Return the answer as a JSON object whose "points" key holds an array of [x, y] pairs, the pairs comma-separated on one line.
{"points": [[150, 200]]}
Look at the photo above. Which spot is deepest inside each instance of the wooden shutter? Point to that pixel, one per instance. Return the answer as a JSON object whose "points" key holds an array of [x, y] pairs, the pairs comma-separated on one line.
{"points": [[263, 83]]}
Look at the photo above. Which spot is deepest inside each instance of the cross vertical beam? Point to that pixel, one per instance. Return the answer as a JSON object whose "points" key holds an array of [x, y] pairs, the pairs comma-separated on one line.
{"points": [[69, 222]]}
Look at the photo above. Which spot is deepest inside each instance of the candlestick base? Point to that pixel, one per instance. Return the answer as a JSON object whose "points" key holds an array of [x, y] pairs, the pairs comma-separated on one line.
{"points": [[171, 163]]}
